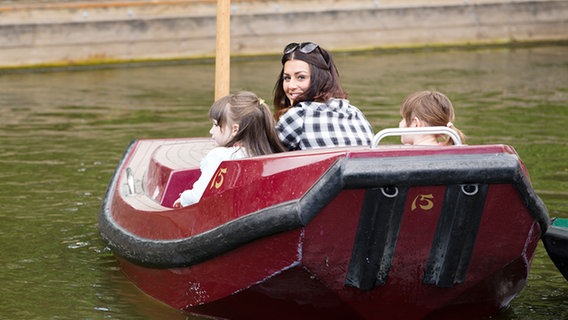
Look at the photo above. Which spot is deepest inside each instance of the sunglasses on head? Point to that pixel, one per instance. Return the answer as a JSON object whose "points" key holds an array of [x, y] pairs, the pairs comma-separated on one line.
{"points": [[304, 47]]}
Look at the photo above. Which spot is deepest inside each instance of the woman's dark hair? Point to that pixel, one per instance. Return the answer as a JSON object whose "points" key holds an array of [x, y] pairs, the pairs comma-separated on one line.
{"points": [[324, 80]]}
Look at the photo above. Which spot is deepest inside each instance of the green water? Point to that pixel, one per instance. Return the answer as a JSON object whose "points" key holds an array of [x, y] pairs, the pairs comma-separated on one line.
{"points": [[62, 134]]}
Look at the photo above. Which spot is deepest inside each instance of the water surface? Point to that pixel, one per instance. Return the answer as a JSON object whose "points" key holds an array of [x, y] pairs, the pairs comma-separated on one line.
{"points": [[63, 132]]}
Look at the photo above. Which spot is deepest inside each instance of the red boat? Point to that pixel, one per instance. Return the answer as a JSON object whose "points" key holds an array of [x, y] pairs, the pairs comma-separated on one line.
{"points": [[389, 232]]}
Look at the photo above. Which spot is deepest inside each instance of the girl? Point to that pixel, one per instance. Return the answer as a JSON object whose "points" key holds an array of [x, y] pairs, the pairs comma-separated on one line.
{"points": [[242, 126], [310, 104], [428, 109]]}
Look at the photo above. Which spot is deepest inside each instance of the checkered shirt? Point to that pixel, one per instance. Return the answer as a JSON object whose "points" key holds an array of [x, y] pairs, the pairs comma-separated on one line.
{"points": [[311, 125]]}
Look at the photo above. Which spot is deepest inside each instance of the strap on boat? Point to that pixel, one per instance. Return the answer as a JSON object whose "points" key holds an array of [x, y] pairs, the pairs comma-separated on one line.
{"points": [[377, 233], [455, 235]]}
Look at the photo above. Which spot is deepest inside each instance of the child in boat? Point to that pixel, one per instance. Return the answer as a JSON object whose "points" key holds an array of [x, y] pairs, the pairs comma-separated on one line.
{"points": [[428, 109], [242, 126], [310, 104]]}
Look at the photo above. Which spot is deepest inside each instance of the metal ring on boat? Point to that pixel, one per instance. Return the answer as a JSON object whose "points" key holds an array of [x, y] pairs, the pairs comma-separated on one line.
{"points": [[388, 192], [470, 189]]}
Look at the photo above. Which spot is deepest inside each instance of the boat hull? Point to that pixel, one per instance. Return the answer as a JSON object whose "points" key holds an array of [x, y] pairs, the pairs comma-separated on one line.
{"points": [[359, 233], [556, 244]]}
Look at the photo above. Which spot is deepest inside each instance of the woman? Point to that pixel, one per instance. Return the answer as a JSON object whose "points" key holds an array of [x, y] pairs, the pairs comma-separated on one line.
{"points": [[311, 106]]}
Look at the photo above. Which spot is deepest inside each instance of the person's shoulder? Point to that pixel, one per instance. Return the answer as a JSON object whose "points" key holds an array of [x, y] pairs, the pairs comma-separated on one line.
{"points": [[333, 105], [220, 153], [293, 113], [344, 104], [238, 152], [312, 104]]}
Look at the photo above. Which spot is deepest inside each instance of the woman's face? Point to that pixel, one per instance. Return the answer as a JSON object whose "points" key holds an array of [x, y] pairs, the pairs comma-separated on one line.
{"points": [[296, 76]]}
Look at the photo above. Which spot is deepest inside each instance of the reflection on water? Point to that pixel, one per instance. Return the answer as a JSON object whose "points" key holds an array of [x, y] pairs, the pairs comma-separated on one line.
{"points": [[62, 134]]}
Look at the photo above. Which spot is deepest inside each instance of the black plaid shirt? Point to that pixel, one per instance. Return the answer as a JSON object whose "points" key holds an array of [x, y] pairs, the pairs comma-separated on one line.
{"points": [[312, 125]]}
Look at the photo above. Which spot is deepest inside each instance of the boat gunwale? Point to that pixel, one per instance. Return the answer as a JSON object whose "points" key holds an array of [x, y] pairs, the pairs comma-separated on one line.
{"points": [[346, 173]]}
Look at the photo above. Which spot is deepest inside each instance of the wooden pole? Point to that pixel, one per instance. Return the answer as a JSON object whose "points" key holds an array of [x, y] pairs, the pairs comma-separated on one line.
{"points": [[223, 49]]}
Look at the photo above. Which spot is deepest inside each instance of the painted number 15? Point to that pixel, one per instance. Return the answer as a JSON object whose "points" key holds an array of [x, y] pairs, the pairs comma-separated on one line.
{"points": [[424, 201]]}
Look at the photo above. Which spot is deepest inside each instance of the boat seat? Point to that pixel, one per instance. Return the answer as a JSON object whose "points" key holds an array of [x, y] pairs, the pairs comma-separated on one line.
{"points": [[175, 166]]}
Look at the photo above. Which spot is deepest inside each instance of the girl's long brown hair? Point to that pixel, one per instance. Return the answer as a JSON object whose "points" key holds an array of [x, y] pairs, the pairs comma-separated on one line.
{"points": [[257, 129], [434, 108]]}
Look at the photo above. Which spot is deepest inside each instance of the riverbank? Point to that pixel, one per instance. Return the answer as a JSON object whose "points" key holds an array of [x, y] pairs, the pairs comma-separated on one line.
{"points": [[79, 33]]}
